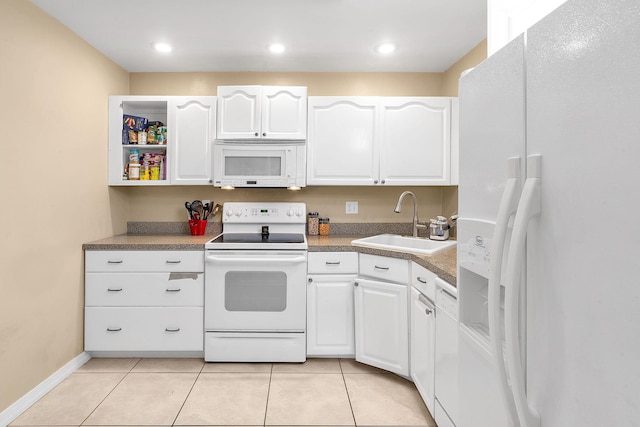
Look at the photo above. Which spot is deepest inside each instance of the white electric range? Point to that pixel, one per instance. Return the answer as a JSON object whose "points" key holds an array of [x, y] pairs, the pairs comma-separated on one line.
{"points": [[255, 284]]}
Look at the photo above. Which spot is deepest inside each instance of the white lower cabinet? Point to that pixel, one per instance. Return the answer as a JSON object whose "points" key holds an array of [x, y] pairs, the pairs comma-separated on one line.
{"points": [[330, 318], [144, 301], [422, 347], [381, 313]]}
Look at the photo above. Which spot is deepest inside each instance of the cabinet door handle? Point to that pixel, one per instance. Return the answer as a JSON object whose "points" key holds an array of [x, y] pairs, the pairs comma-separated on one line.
{"points": [[421, 280], [310, 280], [256, 134], [173, 289], [114, 329], [173, 261], [383, 181], [375, 181], [264, 134], [114, 290], [428, 311], [377, 267], [114, 262], [356, 284], [172, 329], [332, 262]]}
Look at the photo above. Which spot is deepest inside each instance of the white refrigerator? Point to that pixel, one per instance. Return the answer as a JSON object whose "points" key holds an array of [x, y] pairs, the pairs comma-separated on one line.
{"points": [[549, 228]]}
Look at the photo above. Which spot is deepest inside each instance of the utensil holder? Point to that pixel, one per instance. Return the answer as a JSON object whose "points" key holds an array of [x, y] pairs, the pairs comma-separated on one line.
{"points": [[197, 226]]}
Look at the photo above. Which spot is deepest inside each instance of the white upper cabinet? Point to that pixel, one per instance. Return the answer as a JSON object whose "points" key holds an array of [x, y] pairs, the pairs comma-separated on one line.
{"points": [[183, 158], [507, 19], [123, 146], [415, 141], [379, 141], [262, 112], [343, 147], [192, 125]]}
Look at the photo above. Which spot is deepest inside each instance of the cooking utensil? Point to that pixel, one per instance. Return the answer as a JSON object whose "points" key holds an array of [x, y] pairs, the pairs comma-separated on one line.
{"points": [[188, 206], [197, 208]]}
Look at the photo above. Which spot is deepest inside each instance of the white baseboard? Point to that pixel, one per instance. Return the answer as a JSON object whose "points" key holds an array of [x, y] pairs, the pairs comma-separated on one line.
{"points": [[22, 404]]}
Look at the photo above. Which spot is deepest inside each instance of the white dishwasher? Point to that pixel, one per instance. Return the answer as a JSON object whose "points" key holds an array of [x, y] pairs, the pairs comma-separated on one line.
{"points": [[446, 377]]}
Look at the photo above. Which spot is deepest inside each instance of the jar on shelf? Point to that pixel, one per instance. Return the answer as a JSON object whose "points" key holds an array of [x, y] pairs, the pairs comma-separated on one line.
{"points": [[134, 171], [324, 226], [312, 224]]}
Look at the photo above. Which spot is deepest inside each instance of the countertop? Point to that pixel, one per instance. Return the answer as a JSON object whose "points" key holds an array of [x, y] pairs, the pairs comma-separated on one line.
{"points": [[443, 263]]}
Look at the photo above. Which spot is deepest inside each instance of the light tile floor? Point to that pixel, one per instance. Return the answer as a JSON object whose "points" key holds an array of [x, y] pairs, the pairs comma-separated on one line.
{"points": [[190, 392]]}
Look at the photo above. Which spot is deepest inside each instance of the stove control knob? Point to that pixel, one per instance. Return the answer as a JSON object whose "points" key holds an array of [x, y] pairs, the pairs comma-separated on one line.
{"points": [[238, 212], [290, 212], [228, 212], [299, 213]]}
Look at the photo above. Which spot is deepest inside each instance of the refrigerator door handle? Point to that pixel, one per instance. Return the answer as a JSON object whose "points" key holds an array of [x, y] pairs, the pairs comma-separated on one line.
{"points": [[508, 207], [528, 208]]}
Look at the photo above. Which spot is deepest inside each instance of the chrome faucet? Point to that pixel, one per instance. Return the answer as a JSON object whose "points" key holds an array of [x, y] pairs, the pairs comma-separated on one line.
{"points": [[416, 223]]}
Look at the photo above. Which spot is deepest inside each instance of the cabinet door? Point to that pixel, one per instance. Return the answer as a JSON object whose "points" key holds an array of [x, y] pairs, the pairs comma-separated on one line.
{"points": [[192, 123], [284, 112], [381, 325], [239, 112], [415, 141], [330, 315], [342, 142], [422, 347]]}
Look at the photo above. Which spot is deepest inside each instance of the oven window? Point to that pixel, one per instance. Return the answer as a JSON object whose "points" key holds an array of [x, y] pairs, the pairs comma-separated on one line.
{"points": [[255, 291], [252, 166]]}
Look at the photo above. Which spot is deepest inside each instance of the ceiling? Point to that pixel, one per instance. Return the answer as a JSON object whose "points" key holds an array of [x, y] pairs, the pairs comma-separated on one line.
{"points": [[319, 35]]}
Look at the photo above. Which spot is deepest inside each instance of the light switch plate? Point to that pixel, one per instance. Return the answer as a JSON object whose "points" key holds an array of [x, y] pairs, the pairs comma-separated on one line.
{"points": [[351, 208]]}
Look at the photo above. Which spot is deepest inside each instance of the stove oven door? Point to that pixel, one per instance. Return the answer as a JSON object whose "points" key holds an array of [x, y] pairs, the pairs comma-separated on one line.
{"points": [[261, 291]]}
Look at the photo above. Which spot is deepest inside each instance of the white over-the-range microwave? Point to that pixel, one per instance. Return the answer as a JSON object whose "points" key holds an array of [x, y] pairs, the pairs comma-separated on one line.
{"points": [[259, 164]]}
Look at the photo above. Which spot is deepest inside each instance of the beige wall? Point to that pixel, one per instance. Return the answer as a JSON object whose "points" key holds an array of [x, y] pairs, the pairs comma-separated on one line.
{"points": [[318, 84], [470, 60], [54, 189]]}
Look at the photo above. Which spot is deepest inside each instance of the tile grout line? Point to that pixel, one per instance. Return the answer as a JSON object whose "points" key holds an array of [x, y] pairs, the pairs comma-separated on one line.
{"points": [[188, 394], [126, 374], [344, 381], [266, 406]]}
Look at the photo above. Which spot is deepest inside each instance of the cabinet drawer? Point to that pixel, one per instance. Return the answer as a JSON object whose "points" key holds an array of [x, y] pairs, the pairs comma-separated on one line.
{"points": [[332, 262], [144, 289], [178, 261], [423, 280], [143, 329], [380, 267]]}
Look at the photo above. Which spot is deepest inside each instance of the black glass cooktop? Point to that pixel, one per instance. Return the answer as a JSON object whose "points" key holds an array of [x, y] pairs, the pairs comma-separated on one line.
{"points": [[259, 238]]}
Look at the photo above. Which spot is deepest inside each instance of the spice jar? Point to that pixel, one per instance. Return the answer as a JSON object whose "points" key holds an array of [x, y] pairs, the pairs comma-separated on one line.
{"points": [[324, 226], [312, 224]]}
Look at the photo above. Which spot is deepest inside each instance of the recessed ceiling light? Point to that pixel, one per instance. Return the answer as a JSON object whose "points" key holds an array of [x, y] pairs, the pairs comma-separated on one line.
{"points": [[162, 47], [276, 48], [385, 48]]}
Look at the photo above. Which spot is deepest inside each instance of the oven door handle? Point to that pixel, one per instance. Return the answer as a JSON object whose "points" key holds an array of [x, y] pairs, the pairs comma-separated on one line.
{"points": [[288, 260]]}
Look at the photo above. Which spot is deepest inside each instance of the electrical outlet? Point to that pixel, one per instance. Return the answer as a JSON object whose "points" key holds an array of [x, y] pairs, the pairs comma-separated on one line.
{"points": [[351, 208]]}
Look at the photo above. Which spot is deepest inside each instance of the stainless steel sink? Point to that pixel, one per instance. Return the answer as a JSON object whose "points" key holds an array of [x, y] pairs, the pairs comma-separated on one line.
{"points": [[395, 242]]}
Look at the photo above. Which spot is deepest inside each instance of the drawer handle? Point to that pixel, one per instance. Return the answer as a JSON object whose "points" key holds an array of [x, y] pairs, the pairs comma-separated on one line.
{"points": [[114, 262], [172, 329], [421, 280], [114, 329], [173, 261], [377, 267], [114, 290], [173, 289], [332, 262]]}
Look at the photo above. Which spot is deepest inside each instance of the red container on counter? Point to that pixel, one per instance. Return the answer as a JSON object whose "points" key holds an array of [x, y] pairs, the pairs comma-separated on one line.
{"points": [[197, 226]]}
